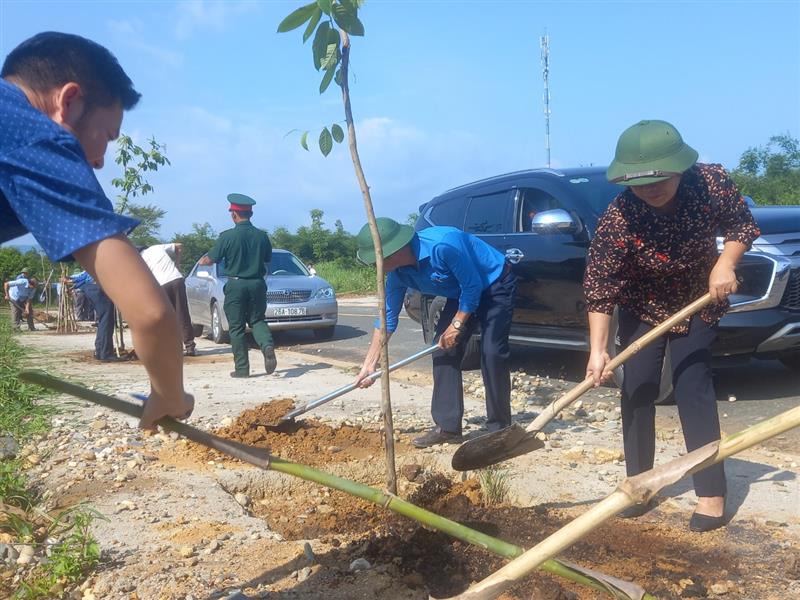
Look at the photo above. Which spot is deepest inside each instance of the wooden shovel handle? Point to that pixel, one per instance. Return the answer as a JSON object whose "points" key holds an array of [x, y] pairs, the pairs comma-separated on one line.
{"points": [[549, 413]]}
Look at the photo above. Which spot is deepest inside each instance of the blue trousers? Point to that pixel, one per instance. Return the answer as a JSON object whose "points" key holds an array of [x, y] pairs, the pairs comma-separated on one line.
{"points": [[104, 309], [494, 315], [694, 395]]}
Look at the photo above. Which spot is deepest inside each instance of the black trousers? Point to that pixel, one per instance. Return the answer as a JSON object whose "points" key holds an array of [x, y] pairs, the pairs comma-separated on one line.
{"points": [[494, 315], [104, 338], [176, 292], [694, 395]]}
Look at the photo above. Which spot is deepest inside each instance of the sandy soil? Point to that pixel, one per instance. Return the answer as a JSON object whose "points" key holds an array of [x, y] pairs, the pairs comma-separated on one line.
{"points": [[185, 522]]}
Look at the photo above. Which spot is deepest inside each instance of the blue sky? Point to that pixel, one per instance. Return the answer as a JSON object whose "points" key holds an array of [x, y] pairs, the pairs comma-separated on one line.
{"points": [[443, 92]]}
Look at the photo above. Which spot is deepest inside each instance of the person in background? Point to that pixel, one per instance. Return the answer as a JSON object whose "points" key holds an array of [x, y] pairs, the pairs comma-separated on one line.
{"points": [[654, 252], [84, 310], [104, 337], [245, 251], [480, 288], [62, 99], [19, 294], [163, 261]]}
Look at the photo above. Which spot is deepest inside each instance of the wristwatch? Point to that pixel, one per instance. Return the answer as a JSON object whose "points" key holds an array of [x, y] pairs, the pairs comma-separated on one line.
{"points": [[457, 324]]}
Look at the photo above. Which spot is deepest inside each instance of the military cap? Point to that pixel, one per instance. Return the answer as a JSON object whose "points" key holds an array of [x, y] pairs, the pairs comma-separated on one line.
{"points": [[25, 270], [240, 202], [393, 237]]}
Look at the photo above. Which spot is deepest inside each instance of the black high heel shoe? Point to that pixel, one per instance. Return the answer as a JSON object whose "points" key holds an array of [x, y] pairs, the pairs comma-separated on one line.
{"points": [[702, 523]]}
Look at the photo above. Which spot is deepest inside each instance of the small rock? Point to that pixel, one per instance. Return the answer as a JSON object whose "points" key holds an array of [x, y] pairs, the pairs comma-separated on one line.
{"points": [[720, 588], [8, 447], [605, 455], [98, 425], [33, 459], [574, 453], [226, 422], [88, 455], [25, 554], [242, 499], [186, 551], [212, 547], [303, 574], [309, 552], [360, 564], [411, 471], [731, 398]]}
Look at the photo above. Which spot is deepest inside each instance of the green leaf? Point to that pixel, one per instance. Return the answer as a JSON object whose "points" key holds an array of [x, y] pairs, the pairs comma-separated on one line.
{"points": [[326, 80], [332, 56], [297, 18], [338, 77], [325, 142], [320, 43], [338, 134], [325, 6], [347, 18], [304, 140], [312, 24]]}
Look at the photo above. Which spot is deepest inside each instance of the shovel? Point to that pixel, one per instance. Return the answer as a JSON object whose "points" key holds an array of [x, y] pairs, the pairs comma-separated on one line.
{"points": [[515, 440], [289, 417]]}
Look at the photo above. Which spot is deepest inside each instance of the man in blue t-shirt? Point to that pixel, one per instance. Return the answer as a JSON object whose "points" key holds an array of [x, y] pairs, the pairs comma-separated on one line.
{"points": [[19, 293], [480, 288], [62, 99]]}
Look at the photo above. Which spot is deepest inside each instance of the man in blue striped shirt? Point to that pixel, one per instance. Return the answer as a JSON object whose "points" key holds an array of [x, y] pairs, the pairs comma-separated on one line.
{"points": [[19, 292], [480, 288]]}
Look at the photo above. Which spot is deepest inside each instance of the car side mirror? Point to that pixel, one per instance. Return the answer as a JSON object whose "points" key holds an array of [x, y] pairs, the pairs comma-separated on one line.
{"points": [[553, 221]]}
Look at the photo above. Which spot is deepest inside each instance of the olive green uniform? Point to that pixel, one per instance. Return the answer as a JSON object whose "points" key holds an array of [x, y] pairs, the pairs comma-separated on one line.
{"points": [[245, 251]]}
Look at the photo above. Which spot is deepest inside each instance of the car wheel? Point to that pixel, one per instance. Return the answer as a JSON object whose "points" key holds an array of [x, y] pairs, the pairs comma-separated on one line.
{"points": [[325, 333], [792, 361], [197, 330], [218, 334], [471, 360]]}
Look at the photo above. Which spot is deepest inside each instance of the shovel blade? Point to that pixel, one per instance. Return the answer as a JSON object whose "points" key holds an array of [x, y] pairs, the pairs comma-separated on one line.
{"points": [[497, 446]]}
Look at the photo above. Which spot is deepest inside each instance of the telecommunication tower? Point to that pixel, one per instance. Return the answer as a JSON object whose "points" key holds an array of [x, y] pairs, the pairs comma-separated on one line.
{"points": [[544, 43]]}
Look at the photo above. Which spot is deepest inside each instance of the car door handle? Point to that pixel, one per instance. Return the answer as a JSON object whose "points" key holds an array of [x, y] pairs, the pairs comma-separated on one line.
{"points": [[514, 255]]}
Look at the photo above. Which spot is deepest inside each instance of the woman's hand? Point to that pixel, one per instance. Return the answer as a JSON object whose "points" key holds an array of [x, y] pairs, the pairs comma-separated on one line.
{"points": [[596, 368], [722, 282]]}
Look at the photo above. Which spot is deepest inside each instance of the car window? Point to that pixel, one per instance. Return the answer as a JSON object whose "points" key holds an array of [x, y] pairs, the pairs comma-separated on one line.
{"points": [[489, 213], [534, 201], [284, 264], [449, 212]]}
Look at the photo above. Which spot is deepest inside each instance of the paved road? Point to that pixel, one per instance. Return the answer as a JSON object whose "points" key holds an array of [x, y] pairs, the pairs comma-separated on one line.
{"points": [[761, 388]]}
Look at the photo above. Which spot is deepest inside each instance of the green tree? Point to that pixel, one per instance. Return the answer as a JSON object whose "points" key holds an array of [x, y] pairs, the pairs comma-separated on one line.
{"points": [[412, 219], [195, 244], [148, 231], [770, 174], [332, 23]]}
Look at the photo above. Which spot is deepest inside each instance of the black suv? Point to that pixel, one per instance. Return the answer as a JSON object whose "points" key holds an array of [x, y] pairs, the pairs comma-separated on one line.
{"points": [[543, 221]]}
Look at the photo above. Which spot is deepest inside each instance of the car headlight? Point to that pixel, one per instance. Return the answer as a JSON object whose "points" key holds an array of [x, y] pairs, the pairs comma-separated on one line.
{"points": [[326, 292]]}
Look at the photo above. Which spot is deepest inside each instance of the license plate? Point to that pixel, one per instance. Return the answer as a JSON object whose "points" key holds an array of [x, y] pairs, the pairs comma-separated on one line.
{"points": [[290, 311]]}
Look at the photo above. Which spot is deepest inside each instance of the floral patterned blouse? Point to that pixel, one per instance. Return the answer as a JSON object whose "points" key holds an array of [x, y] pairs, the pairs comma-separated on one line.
{"points": [[653, 264]]}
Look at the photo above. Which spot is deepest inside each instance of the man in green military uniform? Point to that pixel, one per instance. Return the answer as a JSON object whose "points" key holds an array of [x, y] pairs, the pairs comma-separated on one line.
{"points": [[245, 251]]}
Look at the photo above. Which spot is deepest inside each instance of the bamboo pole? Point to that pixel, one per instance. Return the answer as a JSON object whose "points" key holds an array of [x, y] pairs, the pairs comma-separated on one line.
{"points": [[386, 401], [633, 490], [259, 457]]}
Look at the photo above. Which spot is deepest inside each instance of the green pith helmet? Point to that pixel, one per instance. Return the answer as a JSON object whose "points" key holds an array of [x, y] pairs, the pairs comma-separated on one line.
{"points": [[25, 270], [649, 152], [393, 237]]}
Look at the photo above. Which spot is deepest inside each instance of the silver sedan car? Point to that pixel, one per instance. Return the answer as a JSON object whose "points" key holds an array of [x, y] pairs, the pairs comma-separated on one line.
{"points": [[296, 299]]}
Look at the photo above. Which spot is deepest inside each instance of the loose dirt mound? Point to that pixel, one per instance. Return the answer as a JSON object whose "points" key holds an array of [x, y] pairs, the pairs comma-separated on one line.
{"points": [[308, 442]]}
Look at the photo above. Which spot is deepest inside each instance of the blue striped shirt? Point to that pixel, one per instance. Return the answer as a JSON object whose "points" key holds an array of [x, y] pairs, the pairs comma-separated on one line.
{"points": [[450, 263]]}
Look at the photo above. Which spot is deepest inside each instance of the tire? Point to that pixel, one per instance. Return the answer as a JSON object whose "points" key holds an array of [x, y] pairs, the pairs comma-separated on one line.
{"points": [[197, 330], [471, 359], [218, 334], [792, 361], [324, 333]]}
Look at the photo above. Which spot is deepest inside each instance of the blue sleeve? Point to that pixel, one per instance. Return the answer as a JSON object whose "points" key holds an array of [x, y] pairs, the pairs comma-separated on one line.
{"points": [[454, 254], [55, 195], [18, 283], [395, 292], [80, 279]]}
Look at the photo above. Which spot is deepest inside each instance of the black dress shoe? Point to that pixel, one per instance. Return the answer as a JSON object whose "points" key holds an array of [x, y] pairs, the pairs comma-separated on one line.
{"points": [[239, 374], [436, 436], [703, 523], [270, 362]]}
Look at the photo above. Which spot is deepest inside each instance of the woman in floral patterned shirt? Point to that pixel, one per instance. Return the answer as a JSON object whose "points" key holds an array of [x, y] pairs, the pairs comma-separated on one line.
{"points": [[653, 253]]}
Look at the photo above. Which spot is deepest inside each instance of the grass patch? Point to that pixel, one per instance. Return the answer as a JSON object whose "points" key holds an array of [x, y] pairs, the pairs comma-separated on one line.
{"points": [[348, 277], [495, 484], [20, 415]]}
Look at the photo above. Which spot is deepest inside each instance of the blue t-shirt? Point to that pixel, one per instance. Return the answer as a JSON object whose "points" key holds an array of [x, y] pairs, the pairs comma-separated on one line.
{"points": [[47, 187], [451, 263]]}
